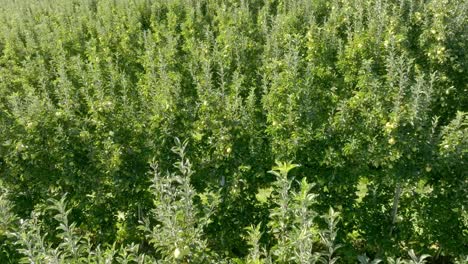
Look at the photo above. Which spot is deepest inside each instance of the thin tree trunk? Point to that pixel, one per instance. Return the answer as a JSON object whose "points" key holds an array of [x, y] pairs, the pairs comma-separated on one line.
{"points": [[396, 200]]}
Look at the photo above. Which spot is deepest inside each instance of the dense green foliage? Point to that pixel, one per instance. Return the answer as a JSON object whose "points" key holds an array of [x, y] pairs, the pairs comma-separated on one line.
{"points": [[370, 97]]}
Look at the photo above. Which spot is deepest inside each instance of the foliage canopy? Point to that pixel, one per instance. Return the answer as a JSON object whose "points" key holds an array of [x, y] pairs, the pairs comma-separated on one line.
{"points": [[370, 97]]}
